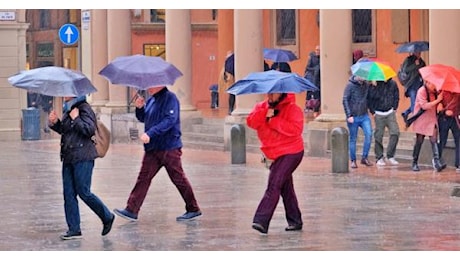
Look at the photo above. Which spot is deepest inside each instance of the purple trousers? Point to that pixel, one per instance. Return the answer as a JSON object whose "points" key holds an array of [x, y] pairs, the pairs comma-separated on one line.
{"points": [[151, 164], [280, 183]]}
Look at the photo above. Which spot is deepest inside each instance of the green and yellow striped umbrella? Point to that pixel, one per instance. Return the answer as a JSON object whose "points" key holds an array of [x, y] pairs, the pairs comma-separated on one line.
{"points": [[372, 69]]}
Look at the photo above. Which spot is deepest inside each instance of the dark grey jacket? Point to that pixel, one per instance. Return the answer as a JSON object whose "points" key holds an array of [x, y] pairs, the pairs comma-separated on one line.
{"points": [[355, 97], [76, 143]]}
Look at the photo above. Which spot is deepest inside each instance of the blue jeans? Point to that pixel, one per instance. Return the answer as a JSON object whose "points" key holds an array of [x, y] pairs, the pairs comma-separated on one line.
{"points": [[365, 123], [76, 178]]}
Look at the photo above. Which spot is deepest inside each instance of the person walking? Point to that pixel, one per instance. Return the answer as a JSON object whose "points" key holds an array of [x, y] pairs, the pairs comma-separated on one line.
{"points": [[355, 104], [77, 127], [163, 148], [411, 65], [448, 120], [313, 73], [278, 122], [426, 124], [383, 103]]}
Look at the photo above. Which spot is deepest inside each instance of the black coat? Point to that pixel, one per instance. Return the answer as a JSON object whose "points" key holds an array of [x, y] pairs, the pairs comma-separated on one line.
{"points": [[384, 96], [76, 142], [355, 97]]}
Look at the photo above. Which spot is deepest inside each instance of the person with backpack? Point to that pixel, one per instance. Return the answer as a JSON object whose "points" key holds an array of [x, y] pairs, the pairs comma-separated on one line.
{"points": [[414, 80], [78, 152], [426, 124]]}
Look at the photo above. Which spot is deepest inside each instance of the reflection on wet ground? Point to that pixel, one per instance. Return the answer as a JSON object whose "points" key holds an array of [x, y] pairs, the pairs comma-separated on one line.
{"points": [[388, 208]]}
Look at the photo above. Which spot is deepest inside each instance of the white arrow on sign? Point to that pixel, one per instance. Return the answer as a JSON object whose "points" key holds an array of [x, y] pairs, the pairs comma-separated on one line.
{"points": [[69, 33]]}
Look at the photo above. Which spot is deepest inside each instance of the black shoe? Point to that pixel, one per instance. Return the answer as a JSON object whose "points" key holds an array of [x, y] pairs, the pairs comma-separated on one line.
{"points": [[353, 165], [293, 227], [108, 226], [259, 228], [404, 116], [366, 162], [71, 235]]}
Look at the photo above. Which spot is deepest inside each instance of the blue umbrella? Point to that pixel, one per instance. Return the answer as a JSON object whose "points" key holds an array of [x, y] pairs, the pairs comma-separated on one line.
{"points": [[279, 55], [53, 81], [415, 46], [271, 81], [140, 71]]}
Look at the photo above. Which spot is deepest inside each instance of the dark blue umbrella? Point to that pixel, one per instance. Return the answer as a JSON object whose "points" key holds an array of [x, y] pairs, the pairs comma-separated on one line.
{"points": [[53, 81], [271, 81], [230, 64], [140, 71], [279, 55], [415, 46]]}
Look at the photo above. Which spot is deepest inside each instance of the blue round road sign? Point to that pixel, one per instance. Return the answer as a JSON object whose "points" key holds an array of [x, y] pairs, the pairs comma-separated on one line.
{"points": [[68, 34]]}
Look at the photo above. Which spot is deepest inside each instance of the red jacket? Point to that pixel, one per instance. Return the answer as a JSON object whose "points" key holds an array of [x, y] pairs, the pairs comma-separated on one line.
{"points": [[282, 134]]}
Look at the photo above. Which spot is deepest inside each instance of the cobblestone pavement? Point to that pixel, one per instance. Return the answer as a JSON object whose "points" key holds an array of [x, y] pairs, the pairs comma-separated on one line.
{"points": [[368, 209]]}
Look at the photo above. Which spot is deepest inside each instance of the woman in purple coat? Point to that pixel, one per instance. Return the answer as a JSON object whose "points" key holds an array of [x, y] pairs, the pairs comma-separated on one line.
{"points": [[427, 99]]}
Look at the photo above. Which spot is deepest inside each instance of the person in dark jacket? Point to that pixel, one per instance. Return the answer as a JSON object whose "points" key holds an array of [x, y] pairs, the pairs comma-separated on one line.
{"points": [[355, 104], [163, 148], [278, 122], [383, 103], [412, 64], [77, 127], [313, 73]]}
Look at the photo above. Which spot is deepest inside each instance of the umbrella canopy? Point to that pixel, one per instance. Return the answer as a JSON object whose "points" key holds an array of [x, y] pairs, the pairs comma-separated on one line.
{"points": [[53, 81], [279, 55], [442, 76], [416, 46], [140, 71], [271, 81], [373, 69]]}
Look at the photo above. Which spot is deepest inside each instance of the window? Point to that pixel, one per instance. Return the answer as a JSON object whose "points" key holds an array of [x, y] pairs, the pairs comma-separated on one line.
{"points": [[285, 27], [45, 50], [363, 31], [157, 15], [157, 50], [44, 19]]}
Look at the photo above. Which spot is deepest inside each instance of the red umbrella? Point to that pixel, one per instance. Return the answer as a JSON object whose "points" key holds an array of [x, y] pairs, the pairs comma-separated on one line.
{"points": [[442, 76]]}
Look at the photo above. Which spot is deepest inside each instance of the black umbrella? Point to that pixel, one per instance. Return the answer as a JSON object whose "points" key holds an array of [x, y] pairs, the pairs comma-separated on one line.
{"points": [[415, 46], [230, 64]]}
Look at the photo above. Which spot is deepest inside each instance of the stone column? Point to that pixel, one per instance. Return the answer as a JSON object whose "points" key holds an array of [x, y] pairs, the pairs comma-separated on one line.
{"points": [[94, 46], [444, 37], [13, 60], [335, 26], [248, 53], [225, 41], [248, 43], [118, 44], [179, 52]]}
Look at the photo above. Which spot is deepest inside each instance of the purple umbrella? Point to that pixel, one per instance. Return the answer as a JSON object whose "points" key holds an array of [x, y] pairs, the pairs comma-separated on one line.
{"points": [[140, 71], [53, 81]]}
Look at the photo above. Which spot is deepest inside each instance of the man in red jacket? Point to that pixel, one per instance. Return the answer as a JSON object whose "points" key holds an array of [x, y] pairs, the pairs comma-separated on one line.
{"points": [[278, 122]]}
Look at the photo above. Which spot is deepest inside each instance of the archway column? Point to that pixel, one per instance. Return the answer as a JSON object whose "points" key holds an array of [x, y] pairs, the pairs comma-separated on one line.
{"points": [[335, 27], [179, 52], [444, 37]]}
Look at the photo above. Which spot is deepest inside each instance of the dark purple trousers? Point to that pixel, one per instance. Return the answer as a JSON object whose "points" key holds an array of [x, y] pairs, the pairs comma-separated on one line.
{"points": [[280, 183], [151, 164]]}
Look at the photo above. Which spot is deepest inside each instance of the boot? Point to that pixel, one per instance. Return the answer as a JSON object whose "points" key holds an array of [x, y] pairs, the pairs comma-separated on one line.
{"points": [[415, 154], [437, 165], [443, 163]]}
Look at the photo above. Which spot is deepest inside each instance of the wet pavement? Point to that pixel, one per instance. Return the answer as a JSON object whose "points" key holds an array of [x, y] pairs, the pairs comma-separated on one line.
{"points": [[370, 208]]}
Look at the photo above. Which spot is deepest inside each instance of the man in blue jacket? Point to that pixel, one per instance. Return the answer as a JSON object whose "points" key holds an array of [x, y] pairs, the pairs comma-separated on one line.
{"points": [[163, 147]]}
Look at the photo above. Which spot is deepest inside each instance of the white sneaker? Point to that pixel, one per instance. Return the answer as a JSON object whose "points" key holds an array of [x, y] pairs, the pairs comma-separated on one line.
{"points": [[393, 161], [381, 162]]}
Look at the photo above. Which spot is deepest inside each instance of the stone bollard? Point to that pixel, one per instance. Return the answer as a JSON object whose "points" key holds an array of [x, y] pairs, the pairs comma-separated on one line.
{"points": [[339, 148], [238, 144]]}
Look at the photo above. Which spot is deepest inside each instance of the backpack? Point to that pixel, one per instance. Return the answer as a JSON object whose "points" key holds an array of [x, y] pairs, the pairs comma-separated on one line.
{"points": [[403, 77], [101, 139]]}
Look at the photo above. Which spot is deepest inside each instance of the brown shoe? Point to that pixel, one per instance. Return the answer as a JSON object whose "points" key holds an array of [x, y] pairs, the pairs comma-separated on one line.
{"points": [[353, 165], [366, 162]]}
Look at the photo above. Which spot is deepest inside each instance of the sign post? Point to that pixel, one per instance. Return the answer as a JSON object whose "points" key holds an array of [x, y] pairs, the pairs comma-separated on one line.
{"points": [[69, 34]]}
